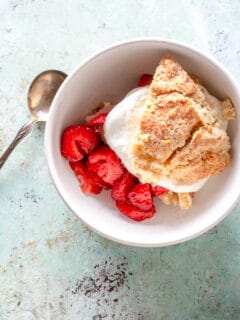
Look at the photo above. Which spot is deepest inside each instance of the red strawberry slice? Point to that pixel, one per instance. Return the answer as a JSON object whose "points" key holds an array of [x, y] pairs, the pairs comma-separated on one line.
{"points": [[87, 182], [122, 187], [90, 183], [141, 197], [133, 212], [106, 164], [97, 124], [98, 120], [79, 169], [145, 80], [69, 148], [100, 130], [78, 141], [157, 191]]}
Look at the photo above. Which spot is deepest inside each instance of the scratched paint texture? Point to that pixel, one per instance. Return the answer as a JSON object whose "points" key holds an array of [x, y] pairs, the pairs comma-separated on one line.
{"points": [[51, 266]]}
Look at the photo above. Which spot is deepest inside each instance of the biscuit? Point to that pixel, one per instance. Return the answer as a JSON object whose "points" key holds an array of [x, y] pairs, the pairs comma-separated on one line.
{"points": [[180, 135]]}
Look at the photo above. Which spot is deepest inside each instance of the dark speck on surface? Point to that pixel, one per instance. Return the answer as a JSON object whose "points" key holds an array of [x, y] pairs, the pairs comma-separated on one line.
{"points": [[99, 316], [102, 26], [32, 196], [106, 277]]}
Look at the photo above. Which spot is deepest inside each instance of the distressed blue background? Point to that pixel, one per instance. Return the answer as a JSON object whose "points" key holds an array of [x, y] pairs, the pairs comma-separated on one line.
{"points": [[51, 266]]}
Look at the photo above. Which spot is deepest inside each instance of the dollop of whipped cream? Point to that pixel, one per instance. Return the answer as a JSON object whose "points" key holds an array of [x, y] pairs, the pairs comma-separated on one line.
{"points": [[121, 127]]}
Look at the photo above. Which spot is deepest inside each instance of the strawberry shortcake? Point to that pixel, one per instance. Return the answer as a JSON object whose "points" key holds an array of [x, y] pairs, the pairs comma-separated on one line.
{"points": [[164, 139]]}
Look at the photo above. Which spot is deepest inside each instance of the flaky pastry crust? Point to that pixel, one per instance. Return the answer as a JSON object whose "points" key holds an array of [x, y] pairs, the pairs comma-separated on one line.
{"points": [[178, 135]]}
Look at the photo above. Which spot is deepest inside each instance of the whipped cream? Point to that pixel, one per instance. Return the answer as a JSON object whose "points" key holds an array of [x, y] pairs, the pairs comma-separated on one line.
{"points": [[121, 126]]}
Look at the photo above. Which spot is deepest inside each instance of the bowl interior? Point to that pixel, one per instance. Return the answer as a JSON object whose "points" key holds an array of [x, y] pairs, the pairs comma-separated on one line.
{"points": [[108, 76]]}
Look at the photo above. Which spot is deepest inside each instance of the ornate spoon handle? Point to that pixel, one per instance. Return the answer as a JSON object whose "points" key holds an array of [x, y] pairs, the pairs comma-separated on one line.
{"points": [[21, 134]]}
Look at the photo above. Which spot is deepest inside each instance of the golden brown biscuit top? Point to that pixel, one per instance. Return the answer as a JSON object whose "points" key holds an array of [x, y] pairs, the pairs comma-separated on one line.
{"points": [[179, 136]]}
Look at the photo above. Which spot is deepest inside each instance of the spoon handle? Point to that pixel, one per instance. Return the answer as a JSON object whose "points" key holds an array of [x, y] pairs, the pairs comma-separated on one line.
{"points": [[21, 134]]}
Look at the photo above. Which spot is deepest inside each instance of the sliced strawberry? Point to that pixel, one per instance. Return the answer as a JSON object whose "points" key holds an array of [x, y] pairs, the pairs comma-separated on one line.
{"points": [[145, 80], [79, 169], [98, 120], [87, 182], [90, 183], [100, 130], [141, 197], [122, 187], [69, 148], [157, 191], [104, 185], [97, 124], [78, 141], [106, 164], [133, 212]]}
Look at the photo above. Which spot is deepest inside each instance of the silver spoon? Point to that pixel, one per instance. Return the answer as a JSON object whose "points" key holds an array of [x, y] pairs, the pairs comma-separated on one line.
{"points": [[40, 97]]}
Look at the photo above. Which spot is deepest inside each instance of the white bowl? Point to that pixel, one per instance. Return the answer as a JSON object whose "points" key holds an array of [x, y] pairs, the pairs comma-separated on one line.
{"points": [[109, 75]]}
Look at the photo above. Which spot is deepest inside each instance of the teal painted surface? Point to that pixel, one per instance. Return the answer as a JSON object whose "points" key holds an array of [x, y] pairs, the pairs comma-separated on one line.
{"points": [[51, 266]]}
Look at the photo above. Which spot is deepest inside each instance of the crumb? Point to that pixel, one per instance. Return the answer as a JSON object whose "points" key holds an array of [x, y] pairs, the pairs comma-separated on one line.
{"points": [[228, 110], [181, 200], [103, 107]]}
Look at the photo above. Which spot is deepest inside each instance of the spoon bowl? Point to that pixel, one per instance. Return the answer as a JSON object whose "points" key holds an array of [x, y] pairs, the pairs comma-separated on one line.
{"points": [[42, 91]]}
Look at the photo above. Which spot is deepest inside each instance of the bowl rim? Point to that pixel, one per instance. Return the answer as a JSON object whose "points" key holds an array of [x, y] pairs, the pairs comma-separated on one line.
{"points": [[50, 162]]}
